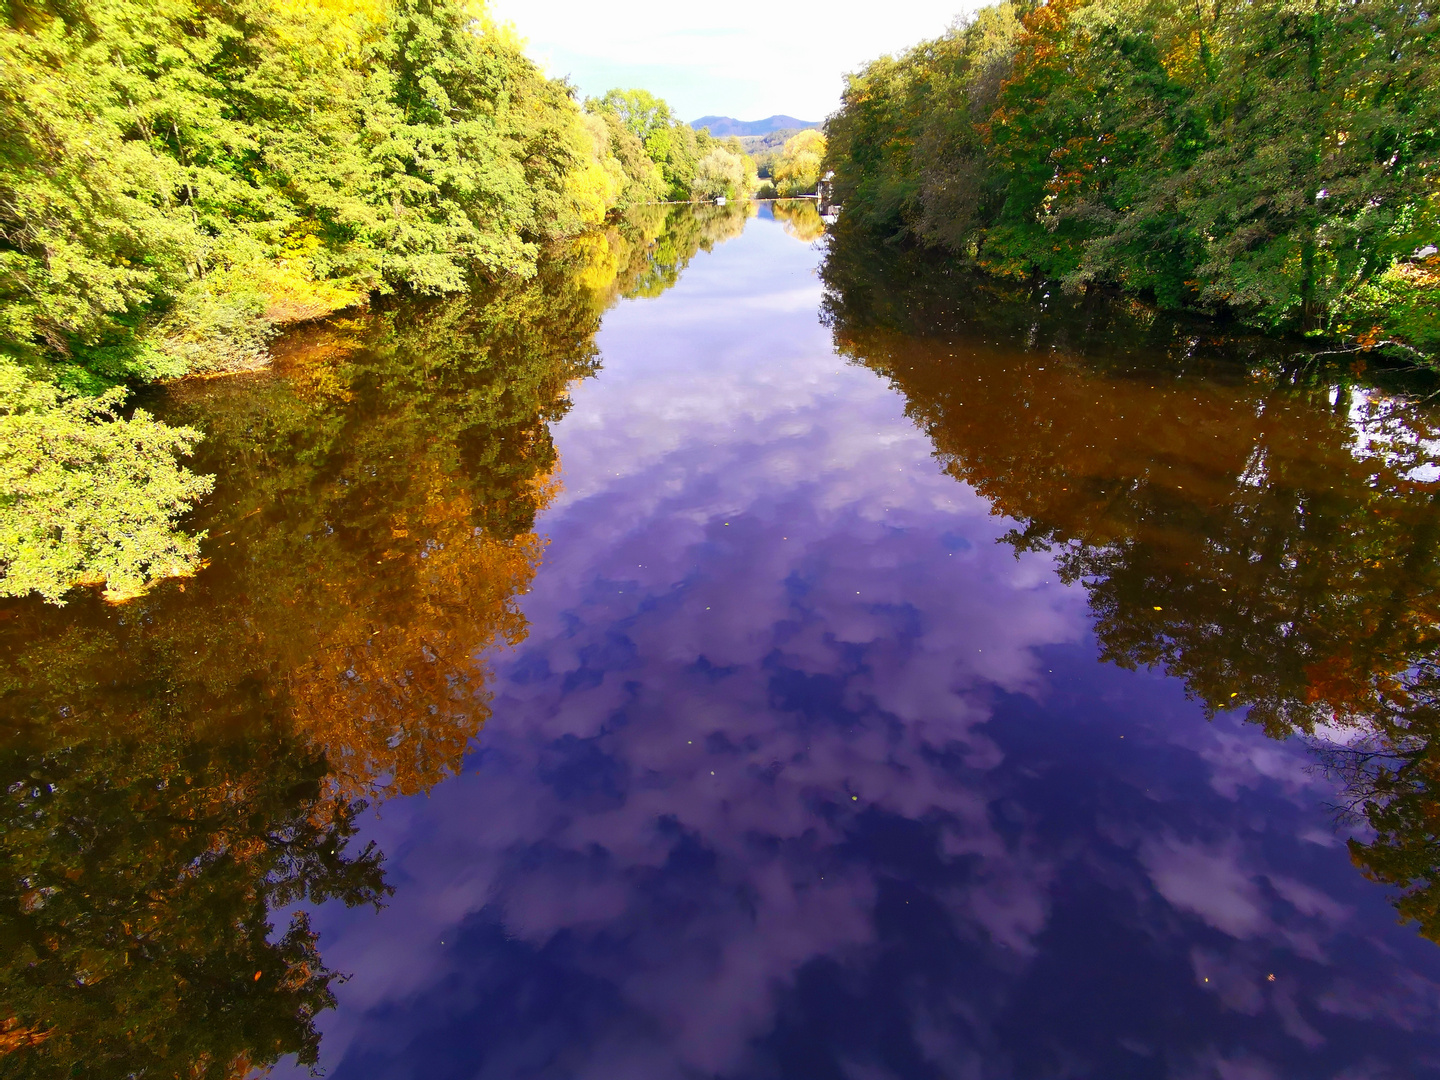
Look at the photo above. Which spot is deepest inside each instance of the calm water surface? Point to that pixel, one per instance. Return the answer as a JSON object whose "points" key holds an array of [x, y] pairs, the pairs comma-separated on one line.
{"points": [[848, 672]]}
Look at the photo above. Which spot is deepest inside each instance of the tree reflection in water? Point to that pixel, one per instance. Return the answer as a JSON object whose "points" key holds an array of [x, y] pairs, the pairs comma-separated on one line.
{"points": [[1259, 524], [181, 769], [800, 217]]}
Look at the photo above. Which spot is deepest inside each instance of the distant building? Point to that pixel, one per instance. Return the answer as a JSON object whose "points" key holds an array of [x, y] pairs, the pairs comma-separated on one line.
{"points": [[825, 191]]}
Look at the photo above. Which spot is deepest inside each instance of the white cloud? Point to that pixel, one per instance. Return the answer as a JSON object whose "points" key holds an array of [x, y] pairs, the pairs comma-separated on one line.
{"points": [[1207, 882], [720, 59]]}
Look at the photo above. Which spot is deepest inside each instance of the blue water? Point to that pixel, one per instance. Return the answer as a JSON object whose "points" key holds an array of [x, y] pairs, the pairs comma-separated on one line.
{"points": [[801, 773]]}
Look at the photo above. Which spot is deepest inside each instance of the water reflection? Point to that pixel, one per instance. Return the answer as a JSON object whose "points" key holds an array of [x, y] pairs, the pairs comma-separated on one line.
{"points": [[1261, 526], [181, 770], [805, 770], [801, 218], [797, 759]]}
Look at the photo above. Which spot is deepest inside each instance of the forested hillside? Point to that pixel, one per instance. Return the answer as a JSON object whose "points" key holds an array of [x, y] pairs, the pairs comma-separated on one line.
{"points": [[728, 125], [1275, 161]]}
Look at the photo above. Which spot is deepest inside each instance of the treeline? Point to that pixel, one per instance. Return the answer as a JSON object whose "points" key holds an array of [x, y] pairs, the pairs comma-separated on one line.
{"points": [[667, 158], [179, 176], [1269, 160], [179, 179]]}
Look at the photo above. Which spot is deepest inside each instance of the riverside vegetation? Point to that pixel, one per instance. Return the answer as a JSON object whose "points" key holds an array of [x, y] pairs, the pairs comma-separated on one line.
{"points": [[181, 179], [789, 160], [1274, 161]]}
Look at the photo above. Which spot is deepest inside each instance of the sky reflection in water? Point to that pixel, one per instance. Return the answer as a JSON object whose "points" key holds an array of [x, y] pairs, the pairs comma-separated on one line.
{"points": [[800, 772]]}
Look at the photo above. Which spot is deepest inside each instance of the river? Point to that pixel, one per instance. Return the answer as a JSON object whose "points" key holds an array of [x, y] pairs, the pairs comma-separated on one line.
{"points": [[740, 653]]}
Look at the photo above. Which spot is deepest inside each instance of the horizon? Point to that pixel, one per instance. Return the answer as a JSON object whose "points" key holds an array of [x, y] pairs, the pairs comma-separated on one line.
{"points": [[716, 63], [785, 121]]}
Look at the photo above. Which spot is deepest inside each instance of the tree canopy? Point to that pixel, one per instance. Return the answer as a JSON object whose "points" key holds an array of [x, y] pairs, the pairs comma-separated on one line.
{"points": [[693, 164], [179, 180], [1275, 161]]}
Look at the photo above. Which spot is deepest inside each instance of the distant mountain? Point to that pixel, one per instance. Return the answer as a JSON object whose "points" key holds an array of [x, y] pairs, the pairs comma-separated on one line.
{"points": [[728, 125]]}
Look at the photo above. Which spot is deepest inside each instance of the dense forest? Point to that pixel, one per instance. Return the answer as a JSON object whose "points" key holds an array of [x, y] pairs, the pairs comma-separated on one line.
{"points": [[179, 180], [1272, 161]]}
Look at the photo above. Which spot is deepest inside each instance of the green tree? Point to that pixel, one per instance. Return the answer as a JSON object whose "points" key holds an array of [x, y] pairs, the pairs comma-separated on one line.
{"points": [[719, 173], [674, 146], [1273, 161], [87, 494], [644, 179]]}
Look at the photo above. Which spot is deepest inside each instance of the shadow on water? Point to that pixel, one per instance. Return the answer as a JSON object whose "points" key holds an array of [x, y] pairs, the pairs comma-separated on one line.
{"points": [[1255, 521], [179, 768]]}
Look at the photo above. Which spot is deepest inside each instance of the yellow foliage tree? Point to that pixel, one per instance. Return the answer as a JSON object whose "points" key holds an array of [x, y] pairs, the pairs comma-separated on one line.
{"points": [[801, 219], [798, 170]]}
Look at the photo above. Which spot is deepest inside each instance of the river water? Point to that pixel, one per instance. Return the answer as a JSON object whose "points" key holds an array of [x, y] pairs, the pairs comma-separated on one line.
{"points": [[707, 660]]}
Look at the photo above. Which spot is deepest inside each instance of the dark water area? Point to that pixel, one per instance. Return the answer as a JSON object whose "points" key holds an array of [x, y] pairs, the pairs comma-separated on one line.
{"points": [[741, 652]]}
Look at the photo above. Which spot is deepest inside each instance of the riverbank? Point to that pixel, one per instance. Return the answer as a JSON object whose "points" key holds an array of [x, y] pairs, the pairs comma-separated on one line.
{"points": [[922, 291], [1272, 166], [98, 490]]}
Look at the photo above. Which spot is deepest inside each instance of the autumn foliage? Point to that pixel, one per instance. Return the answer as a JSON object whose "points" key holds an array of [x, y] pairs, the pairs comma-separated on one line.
{"points": [[1272, 161]]}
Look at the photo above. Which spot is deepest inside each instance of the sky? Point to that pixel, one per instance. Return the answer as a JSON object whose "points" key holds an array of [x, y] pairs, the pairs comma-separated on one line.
{"points": [[720, 59]]}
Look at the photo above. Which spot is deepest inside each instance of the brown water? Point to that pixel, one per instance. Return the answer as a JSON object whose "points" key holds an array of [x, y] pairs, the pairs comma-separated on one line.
{"points": [[729, 655]]}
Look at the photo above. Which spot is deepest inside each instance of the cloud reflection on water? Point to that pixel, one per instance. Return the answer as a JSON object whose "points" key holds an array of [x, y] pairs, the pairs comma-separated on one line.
{"points": [[801, 773]]}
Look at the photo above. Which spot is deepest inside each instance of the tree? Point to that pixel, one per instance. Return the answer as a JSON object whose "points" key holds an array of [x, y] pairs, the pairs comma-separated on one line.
{"points": [[719, 173], [672, 145], [1270, 161], [798, 169], [89, 494], [644, 181]]}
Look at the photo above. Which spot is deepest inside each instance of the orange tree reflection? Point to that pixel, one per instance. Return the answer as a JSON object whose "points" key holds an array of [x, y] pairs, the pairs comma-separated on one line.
{"points": [[181, 770], [1262, 527]]}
